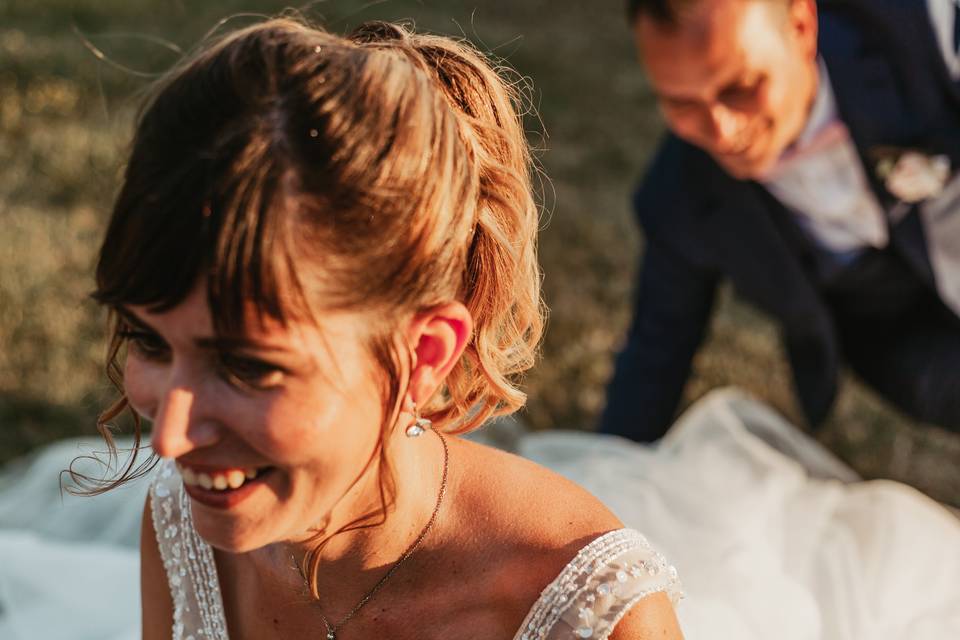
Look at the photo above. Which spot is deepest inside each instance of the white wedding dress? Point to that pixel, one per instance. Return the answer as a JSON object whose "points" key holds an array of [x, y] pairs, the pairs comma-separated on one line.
{"points": [[772, 538]]}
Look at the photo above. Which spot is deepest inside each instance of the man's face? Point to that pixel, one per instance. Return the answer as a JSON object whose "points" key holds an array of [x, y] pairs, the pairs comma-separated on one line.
{"points": [[735, 77]]}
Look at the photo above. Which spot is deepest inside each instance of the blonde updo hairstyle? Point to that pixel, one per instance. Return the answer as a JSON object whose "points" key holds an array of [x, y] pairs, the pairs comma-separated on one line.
{"points": [[384, 171]]}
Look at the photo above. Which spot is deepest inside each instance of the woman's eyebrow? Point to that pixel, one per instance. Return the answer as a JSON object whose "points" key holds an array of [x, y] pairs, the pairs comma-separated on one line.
{"points": [[214, 343], [237, 343], [130, 318]]}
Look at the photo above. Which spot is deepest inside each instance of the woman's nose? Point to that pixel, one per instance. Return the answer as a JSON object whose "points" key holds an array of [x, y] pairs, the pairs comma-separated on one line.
{"points": [[176, 428]]}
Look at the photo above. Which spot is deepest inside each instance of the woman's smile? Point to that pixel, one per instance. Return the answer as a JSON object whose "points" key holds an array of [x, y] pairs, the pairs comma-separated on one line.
{"points": [[223, 488]]}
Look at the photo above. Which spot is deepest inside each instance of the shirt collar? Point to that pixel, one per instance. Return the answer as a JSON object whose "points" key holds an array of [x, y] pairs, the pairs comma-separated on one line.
{"points": [[823, 128]]}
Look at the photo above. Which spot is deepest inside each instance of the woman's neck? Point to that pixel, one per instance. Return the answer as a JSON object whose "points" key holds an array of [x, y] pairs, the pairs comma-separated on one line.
{"points": [[351, 562]]}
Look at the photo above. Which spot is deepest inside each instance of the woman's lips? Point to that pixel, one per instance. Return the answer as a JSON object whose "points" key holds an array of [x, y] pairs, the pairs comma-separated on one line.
{"points": [[217, 479], [222, 488]]}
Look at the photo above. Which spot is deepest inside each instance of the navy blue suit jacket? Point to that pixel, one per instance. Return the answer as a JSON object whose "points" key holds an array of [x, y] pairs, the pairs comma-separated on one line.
{"points": [[702, 226]]}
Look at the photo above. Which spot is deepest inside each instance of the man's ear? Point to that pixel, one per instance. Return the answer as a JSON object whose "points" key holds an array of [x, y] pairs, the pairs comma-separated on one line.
{"points": [[802, 19], [438, 337]]}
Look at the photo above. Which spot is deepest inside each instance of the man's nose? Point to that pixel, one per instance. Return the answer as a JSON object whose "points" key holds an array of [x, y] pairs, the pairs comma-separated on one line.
{"points": [[176, 427], [725, 128]]}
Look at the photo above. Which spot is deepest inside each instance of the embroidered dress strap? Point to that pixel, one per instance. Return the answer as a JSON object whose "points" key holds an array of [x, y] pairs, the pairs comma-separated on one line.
{"points": [[188, 560], [598, 587]]}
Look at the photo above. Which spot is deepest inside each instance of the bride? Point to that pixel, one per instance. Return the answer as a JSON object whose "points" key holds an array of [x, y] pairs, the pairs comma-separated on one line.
{"points": [[322, 272], [322, 268]]}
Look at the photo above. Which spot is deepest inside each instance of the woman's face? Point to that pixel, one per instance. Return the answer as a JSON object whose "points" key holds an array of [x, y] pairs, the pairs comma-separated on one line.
{"points": [[289, 416]]}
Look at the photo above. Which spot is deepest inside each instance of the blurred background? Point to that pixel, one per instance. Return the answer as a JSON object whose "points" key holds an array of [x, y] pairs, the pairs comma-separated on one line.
{"points": [[71, 72]]}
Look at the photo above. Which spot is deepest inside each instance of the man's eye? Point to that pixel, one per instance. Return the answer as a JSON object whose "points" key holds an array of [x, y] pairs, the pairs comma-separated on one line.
{"points": [[147, 345], [250, 372], [741, 94], [678, 106]]}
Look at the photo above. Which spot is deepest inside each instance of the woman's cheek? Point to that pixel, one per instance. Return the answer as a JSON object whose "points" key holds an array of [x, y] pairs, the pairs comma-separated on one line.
{"points": [[303, 425], [288, 430], [140, 383]]}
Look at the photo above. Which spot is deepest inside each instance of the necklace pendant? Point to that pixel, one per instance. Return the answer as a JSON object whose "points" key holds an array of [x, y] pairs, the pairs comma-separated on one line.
{"points": [[331, 635]]}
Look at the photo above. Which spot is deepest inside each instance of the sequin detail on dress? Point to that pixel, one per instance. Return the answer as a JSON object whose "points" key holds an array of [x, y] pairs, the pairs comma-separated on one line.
{"points": [[598, 587], [188, 560]]}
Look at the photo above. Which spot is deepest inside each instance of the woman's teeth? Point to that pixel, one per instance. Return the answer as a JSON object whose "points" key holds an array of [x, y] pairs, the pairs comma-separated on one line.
{"points": [[217, 480]]}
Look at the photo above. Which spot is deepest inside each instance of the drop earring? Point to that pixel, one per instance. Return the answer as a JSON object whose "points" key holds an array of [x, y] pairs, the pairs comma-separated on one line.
{"points": [[419, 424]]}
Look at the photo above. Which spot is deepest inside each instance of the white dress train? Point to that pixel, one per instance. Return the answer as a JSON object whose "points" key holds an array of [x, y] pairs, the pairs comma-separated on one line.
{"points": [[771, 536]]}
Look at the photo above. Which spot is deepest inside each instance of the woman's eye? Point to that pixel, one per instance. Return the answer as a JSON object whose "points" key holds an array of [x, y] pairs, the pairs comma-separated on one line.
{"points": [[250, 372], [147, 345]]}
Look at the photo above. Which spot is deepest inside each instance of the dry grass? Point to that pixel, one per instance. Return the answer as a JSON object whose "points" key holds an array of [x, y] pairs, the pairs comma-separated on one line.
{"points": [[64, 123]]}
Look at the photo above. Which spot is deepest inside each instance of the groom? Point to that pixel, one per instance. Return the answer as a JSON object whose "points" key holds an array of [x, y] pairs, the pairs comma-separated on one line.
{"points": [[813, 162]]}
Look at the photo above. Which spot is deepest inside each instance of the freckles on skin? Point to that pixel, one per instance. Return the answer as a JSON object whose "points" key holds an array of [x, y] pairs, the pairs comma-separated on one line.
{"points": [[138, 380], [318, 425], [298, 424], [331, 388], [323, 426]]}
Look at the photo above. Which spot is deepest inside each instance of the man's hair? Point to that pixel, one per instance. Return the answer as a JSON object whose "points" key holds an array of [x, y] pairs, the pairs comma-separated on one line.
{"points": [[663, 11]]}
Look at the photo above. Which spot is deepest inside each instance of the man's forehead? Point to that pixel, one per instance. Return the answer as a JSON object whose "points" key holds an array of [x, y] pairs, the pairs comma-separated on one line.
{"points": [[695, 15], [703, 26], [691, 53], [707, 46]]}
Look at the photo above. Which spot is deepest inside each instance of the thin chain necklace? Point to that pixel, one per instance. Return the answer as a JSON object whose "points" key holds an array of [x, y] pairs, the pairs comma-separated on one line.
{"points": [[333, 628]]}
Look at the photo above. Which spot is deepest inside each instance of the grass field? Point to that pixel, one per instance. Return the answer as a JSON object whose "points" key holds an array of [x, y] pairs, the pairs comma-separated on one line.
{"points": [[70, 74]]}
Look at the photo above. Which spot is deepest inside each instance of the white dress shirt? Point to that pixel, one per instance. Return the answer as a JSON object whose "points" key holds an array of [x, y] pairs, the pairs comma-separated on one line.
{"points": [[822, 181], [942, 14]]}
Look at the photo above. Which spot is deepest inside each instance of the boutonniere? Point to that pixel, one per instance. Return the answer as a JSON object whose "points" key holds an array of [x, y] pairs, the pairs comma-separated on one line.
{"points": [[910, 175]]}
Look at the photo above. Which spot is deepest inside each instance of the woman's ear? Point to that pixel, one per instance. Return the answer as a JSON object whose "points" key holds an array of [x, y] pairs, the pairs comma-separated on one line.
{"points": [[438, 337]]}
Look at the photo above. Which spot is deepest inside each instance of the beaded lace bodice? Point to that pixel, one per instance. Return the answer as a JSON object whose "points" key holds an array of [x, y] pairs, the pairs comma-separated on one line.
{"points": [[598, 587], [592, 593], [188, 561]]}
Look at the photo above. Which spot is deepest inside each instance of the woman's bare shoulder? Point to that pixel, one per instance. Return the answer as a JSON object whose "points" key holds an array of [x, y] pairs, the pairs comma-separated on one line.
{"points": [[521, 519], [652, 618], [534, 504]]}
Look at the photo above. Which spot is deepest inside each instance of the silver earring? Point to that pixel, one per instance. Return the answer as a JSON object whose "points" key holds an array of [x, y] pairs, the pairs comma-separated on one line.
{"points": [[419, 425]]}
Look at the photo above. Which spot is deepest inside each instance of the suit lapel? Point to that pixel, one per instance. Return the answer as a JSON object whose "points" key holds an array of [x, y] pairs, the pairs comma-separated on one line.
{"points": [[874, 112], [883, 86], [767, 256], [882, 118]]}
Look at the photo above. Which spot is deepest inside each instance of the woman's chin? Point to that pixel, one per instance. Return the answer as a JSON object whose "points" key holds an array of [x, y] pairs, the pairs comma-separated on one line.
{"points": [[229, 537]]}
